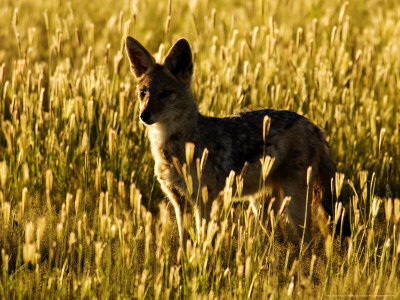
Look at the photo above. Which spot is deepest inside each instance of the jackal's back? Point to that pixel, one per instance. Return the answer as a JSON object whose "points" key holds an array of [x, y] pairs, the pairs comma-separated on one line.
{"points": [[237, 139]]}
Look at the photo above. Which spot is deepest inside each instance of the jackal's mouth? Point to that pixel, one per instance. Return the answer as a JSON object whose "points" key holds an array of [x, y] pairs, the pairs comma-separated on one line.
{"points": [[147, 122]]}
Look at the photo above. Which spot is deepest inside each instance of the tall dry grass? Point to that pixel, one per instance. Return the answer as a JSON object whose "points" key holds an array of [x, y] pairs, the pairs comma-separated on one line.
{"points": [[81, 214]]}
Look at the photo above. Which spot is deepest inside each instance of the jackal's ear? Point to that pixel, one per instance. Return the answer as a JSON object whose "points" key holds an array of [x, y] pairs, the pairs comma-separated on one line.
{"points": [[179, 61], [141, 60]]}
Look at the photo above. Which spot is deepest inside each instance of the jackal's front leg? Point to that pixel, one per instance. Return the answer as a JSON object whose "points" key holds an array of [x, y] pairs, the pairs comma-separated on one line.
{"points": [[177, 200]]}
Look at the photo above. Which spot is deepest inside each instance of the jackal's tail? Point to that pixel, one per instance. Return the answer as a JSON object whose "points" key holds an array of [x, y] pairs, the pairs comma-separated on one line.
{"points": [[326, 180]]}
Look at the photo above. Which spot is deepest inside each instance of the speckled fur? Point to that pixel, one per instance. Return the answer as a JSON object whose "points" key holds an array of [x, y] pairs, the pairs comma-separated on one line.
{"points": [[174, 120]]}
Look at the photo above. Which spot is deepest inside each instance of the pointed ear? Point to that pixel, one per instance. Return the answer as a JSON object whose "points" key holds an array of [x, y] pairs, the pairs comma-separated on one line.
{"points": [[179, 61], [141, 60]]}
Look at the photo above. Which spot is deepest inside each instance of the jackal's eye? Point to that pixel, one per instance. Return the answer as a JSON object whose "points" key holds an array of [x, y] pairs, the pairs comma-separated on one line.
{"points": [[165, 93], [142, 94]]}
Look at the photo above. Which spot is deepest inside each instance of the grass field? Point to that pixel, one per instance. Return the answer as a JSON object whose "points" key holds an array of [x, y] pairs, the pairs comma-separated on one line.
{"points": [[81, 213]]}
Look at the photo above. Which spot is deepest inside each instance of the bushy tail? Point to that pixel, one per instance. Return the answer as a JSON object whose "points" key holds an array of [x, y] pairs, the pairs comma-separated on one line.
{"points": [[325, 177]]}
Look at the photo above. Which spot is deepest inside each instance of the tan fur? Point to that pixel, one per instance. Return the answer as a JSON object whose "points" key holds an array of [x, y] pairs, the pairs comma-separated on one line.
{"points": [[167, 106]]}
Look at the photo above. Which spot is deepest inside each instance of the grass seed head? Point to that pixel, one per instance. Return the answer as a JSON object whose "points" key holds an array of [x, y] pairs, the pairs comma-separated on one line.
{"points": [[266, 126], [338, 211], [49, 180], [90, 111], [388, 209], [110, 180], [118, 62], [99, 248], [68, 201], [111, 142], [376, 203], [71, 241], [189, 151], [339, 180], [3, 174], [6, 214], [29, 233], [309, 174], [329, 246], [28, 252], [266, 165]]}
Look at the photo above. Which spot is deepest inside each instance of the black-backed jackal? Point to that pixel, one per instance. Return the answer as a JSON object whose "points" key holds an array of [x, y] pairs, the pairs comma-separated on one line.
{"points": [[236, 142]]}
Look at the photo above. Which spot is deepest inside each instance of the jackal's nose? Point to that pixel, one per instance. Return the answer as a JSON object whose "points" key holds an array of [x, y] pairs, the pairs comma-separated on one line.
{"points": [[145, 116]]}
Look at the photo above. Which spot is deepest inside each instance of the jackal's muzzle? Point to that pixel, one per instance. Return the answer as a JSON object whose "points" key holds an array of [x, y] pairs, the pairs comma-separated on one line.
{"points": [[145, 117]]}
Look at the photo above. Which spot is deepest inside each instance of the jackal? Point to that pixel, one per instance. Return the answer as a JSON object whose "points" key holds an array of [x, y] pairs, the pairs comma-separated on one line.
{"points": [[168, 108]]}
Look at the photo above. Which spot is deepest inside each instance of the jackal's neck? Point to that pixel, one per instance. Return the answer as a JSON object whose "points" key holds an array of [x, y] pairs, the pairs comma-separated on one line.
{"points": [[174, 130]]}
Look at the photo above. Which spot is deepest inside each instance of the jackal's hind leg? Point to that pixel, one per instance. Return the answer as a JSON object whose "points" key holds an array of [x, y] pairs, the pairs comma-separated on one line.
{"points": [[300, 205], [273, 205]]}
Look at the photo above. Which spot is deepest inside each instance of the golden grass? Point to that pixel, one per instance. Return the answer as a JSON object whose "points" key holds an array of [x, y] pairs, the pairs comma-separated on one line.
{"points": [[79, 205]]}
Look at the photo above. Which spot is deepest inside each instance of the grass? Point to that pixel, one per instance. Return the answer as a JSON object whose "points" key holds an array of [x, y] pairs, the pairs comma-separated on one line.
{"points": [[81, 214]]}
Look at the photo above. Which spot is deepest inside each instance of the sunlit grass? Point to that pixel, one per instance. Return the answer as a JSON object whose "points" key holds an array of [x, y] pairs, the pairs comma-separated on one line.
{"points": [[81, 214]]}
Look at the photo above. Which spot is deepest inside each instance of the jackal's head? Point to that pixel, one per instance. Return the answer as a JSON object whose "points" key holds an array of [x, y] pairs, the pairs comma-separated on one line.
{"points": [[163, 89]]}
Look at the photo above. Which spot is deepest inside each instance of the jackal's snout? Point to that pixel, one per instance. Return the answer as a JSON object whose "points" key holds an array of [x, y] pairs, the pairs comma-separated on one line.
{"points": [[145, 117]]}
